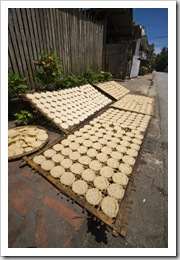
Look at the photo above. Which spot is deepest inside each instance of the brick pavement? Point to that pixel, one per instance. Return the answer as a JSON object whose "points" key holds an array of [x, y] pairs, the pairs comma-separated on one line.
{"points": [[38, 215]]}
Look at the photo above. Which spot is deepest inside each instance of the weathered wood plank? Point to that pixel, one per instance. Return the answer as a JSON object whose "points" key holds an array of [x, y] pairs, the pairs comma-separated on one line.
{"points": [[20, 36], [14, 45], [74, 36]]}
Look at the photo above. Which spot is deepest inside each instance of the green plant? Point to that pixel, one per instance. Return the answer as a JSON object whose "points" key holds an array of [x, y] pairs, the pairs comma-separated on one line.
{"points": [[143, 70], [70, 81], [23, 117], [16, 85], [93, 77], [50, 69]]}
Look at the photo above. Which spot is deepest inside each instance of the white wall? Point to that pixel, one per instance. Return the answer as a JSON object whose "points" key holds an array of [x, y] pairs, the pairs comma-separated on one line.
{"points": [[135, 67]]}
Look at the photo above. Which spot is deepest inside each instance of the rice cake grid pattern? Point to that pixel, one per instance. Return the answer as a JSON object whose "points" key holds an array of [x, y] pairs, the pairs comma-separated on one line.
{"points": [[113, 89], [112, 133], [25, 140], [68, 108], [136, 103]]}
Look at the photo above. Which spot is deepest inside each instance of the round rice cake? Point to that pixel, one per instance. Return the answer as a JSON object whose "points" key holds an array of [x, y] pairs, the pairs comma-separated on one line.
{"points": [[79, 140], [102, 157], [121, 148], [88, 175], [93, 196], [36, 144], [106, 171], [79, 187], [116, 155], [82, 149], [29, 139], [66, 163], [111, 144], [101, 182], [92, 152], [66, 151], [58, 147], [57, 171], [136, 141], [135, 147], [125, 143], [115, 191], [85, 160], [67, 178], [87, 143], [109, 207], [125, 168], [132, 152], [71, 137], [95, 165], [128, 160], [49, 153], [65, 142], [47, 165], [77, 168], [74, 156], [102, 141], [64, 126], [106, 150], [120, 178], [57, 158], [113, 163], [38, 159], [42, 137], [93, 138], [97, 146], [74, 146]]}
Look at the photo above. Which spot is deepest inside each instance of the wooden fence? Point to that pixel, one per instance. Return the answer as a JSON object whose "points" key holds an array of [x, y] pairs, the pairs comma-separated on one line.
{"points": [[116, 58], [75, 36]]}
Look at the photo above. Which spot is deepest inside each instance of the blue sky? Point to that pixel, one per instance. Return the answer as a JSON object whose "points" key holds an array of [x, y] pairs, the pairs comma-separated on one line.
{"points": [[155, 20]]}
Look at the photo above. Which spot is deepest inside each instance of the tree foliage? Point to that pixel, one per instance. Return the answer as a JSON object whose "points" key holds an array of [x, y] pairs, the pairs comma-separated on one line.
{"points": [[162, 60]]}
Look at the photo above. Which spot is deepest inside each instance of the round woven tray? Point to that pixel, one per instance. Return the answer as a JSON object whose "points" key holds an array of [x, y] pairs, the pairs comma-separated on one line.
{"points": [[33, 150]]}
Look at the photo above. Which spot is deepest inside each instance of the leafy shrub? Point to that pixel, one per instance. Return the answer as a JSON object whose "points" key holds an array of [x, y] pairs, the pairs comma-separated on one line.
{"points": [[70, 81], [143, 71], [93, 77], [23, 117], [89, 76], [50, 69], [16, 85]]}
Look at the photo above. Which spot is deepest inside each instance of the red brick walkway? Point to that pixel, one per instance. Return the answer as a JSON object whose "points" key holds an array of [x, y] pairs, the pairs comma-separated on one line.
{"points": [[38, 215]]}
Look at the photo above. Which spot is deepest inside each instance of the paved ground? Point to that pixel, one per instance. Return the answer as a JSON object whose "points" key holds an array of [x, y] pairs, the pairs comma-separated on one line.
{"points": [[40, 216]]}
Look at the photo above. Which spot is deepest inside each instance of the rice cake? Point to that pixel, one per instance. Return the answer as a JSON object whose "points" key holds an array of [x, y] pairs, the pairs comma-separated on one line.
{"points": [[47, 165], [106, 171], [109, 207], [125, 168], [57, 171], [67, 178], [77, 168], [95, 165], [115, 191], [79, 187], [88, 175], [85, 160], [101, 182], [38, 159], [128, 160], [120, 178], [93, 196]]}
